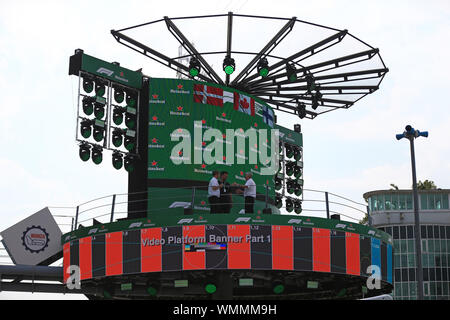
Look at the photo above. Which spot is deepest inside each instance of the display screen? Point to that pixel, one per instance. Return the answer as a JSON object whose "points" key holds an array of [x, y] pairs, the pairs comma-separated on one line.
{"points": [[196, 128]]}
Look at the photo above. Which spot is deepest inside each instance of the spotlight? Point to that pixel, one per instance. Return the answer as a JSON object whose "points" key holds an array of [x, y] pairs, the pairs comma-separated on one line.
{"points": [[117, 160], [290, 167], [291, 72], [297, 172], [263, 67], [310, 83], [129, 162], [289, 204], [97, 155], [301, 110], [130, 140], [88, 105], [315, 100], [297, 153], [118, 115], [85, 128], [131, 99], [130, 118], [117, 138], [297, 206], [194, 67], [119, 95], [228, 65], [289, 150], [278, 287], [85, 151], [210, 288], [99, 130], [290, 184], [88, 84], [278, 200], [297, 189], [100, 87], [278, 183], [99, 110]]}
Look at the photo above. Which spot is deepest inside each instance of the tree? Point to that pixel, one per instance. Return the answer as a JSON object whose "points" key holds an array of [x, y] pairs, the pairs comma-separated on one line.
{"points": [[426, 185], [364, 220]]}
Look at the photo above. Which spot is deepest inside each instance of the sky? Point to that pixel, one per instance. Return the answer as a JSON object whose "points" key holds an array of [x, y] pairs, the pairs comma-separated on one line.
{"points": [[347, 152]]}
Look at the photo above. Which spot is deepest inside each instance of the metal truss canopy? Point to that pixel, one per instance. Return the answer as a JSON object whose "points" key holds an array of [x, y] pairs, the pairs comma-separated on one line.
{"points": [[311, 83]]}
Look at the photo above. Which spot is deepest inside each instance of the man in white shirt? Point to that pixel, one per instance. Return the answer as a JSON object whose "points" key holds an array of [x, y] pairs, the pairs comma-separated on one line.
{"points": [[249, 192], [214, 192]]}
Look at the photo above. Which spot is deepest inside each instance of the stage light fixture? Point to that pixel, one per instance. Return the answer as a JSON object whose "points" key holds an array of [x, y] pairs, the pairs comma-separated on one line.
{"points": [[99, 130], [290, 168], [289, 150], [194, 67], [278, 183], [297, 153], [86, 128], [278, 287], [310, 83], [297, 172], [228, 65], [129, 162], [117, 160], [297, 189], [130, 118], [130, 140], [88, 84], [315, 100], [297, 206], [88, 105], [118, 115], [301, 110], [278, 200], [291, 72], [263, 67], [117, 137], [99, 110], [119, 94], [289, 204], [131, 99], [85, 151], [100, 87], [290, 186], [210, 288], [97, 154]]}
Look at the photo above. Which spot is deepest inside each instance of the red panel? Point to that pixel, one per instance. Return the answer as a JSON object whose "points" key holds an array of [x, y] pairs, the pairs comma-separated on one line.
{"points": [[151, 250], [352, 253], [194, 260], [113, 253], [321, 250], [282, 248], [239, 251], [86, 258], [66, 260]]}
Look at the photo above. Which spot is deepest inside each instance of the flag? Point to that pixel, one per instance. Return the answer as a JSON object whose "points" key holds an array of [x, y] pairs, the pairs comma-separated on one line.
{"points": [[268, 116], [208, 95], [244, 104]]}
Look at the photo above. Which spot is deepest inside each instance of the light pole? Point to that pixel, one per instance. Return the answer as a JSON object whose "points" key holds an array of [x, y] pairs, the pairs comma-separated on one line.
{"points": [[411, 134]]}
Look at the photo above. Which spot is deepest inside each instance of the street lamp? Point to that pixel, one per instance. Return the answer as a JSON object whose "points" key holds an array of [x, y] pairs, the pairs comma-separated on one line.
{"points": [[411, 134]]}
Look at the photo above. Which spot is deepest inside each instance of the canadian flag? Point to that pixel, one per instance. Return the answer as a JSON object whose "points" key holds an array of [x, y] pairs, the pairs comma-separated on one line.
{"points": [[244, 104]]}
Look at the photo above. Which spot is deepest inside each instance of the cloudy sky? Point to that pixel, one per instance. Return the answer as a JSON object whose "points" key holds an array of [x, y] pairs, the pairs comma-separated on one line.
{"points": [[347, 152]]}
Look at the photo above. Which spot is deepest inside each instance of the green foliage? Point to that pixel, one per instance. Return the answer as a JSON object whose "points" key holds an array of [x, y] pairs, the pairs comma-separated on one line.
{"points": [[426, 185]]}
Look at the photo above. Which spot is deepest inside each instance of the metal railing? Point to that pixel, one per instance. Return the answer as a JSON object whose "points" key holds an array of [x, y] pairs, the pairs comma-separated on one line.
{"points": [[114, 207]]}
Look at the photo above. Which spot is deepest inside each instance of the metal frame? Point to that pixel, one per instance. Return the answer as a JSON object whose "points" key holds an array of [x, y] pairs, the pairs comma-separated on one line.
{"points": [[275, 90]]}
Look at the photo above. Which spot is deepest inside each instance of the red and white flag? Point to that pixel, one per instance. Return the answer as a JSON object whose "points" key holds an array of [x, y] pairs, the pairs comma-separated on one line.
{"points": [[244, 104], [208, 95]]}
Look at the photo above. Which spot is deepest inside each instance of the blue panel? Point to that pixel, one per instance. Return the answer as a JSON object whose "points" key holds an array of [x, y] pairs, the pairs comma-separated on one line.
{"points": [[376, 255], [389, 263]]}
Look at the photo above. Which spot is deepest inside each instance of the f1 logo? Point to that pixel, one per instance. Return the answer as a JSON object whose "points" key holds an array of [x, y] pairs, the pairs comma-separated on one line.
{"points": [[108, 72]]}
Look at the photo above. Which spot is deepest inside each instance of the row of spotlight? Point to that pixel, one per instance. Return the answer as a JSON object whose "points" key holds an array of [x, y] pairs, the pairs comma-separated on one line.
{"points": [[291, 151], [291, 204], [124, 112]]}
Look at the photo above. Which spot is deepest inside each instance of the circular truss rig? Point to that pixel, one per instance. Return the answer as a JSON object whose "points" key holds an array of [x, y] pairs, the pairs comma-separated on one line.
{"points": [[308, 81]]}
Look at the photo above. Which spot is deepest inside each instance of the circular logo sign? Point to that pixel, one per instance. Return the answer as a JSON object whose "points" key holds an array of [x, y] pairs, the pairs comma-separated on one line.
{"points": [[35, 239]]}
